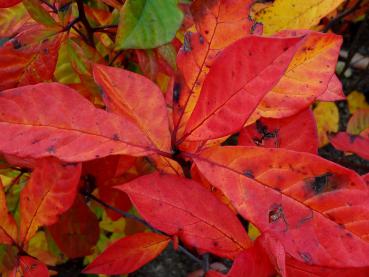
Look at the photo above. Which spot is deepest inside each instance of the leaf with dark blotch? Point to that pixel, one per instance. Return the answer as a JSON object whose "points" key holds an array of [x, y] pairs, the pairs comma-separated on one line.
{"points": [[182, 207], [128, 254], [65, 125], [50, 192], [296, 195], [77, 231], [237, 81], [351, 143], [297, 132], [29, 267], [8, 227], [219, 23], [138, 98]]}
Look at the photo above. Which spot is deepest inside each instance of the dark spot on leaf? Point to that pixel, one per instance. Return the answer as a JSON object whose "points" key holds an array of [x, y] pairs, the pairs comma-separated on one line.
{"points": [[35, 141], [305, 219], [206, 32], [115, 137], [306, 257], [16, 43], [321, 183], [248, 173], [276, 214], [176, 92], [97, 156], [353, 138], [215, 243], [51, 149], [187, 47], [201, 39]]}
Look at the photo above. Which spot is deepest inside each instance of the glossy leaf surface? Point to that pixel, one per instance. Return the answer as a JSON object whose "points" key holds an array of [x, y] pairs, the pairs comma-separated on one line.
{"points": [[168, 203], [50, 192], [128, 254], [81, 132], [299, 195]]}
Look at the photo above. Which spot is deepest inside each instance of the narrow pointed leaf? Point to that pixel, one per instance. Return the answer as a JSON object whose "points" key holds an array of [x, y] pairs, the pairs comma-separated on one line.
{"points": [[38, 13], [70, 128], [50, 192], [182, 207], [239, 78], [147, 24], [294, 14], [136, 97], [8, 227], [128, 254], [295, 195], [219, 23], [282, 133], [77, 231], [307, 77]]}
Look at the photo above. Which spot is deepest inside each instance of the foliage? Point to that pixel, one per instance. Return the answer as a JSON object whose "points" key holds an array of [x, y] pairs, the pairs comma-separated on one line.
{"points": [[126, 126]]}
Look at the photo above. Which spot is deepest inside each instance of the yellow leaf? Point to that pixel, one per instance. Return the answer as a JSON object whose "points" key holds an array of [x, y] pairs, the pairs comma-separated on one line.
{"points": [[293, 14], [253, 232], [327, 118], [356, 100]]}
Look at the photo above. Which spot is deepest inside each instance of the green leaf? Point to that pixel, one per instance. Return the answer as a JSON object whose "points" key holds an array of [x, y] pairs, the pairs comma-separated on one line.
{"points": [[38, 13], [147, 24]]}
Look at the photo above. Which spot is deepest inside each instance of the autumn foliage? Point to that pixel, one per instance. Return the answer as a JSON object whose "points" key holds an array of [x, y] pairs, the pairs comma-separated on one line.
{"points": [[126, 126]]}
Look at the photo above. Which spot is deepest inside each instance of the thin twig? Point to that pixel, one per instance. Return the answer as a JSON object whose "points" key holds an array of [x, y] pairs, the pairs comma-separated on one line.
{"points": [[136, 218], [52, 7], [103, 28], [82, 16]]}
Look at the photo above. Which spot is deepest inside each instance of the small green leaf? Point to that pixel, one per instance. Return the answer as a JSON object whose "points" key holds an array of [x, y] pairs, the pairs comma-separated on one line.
{"points": [[147, 24], [38, 13]]}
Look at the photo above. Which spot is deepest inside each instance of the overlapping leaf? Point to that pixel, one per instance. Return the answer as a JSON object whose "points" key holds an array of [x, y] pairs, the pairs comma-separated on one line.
{"points": [[308, 76], [12, 19], [76, 231], [351, 143], [54, 120], [182, 207], [327, 119], [29, 267], [293, 14], [334, 91], [128, 254], [247, 74], [297, 132], [9, 3], [219, 23], [147, 24], [136, 97], [50, 192], [297, 197]]}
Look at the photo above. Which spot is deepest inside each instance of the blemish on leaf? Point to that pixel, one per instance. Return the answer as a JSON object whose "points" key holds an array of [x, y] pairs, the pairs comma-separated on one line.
{"points": [[249, 173], [51, 149], [115, 137], [187, 47], [276, 213], [306, 257], [353, 138], [201, 39], [16, 43], [303, 220], [320, 183]]}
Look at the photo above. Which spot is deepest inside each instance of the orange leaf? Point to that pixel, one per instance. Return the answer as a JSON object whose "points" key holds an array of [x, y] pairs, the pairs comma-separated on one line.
{"points": [[128, 254], [50, 192], [182, 207], [136, 97], [299, 195], [239, 78], [219, 23], [282, 133], [65, 125], [8, 227], [307, 77], [76, 231]]}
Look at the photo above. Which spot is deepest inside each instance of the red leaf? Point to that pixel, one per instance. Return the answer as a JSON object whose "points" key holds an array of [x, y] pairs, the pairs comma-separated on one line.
{"points": [[128, 254], [239, 78], [351, 143], [29, 267], [136, 97], [296, 195], [297, 132], [70, 128], [49, 192], [334, 91], [182, 207], [28, 58], [76, 231], [8, 227], [9, 3]]}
